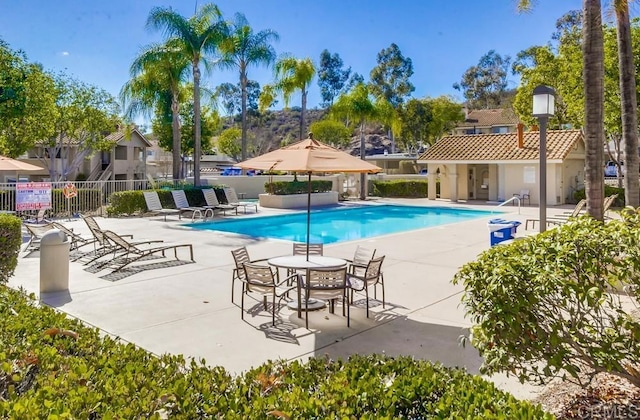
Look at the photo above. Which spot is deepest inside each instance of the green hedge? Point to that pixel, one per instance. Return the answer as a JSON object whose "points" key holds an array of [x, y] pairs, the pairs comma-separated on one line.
{"points": [[10, 242], [619, 202], [401, 188], [297, 187], [54, 367], [87, 200], [125, 203]]}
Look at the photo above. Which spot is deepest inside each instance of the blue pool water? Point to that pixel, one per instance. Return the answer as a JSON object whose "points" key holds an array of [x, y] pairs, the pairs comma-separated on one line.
{"points": [[343, 223]]}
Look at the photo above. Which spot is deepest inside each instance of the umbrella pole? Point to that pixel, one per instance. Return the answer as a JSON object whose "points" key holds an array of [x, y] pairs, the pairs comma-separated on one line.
{"points": [[308, 214]]}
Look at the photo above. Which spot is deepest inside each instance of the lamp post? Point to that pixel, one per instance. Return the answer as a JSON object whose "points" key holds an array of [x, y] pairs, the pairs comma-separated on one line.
{"points": [[543, 108]]}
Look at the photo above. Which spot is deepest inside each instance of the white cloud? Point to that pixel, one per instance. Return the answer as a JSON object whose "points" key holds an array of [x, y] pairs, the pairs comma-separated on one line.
{"points": [[64, 53]]}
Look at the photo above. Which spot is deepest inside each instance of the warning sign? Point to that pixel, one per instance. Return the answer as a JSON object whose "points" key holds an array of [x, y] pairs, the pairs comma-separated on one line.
{"points": [[70, 190], [33, 196]]}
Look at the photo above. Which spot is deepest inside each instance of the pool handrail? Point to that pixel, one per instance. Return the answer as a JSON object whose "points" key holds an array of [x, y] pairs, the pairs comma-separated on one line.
{"points": [[514, 198]]}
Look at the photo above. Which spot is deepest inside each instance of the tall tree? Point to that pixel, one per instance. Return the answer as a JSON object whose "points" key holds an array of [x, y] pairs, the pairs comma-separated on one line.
{"points": [[158, 74], [593, 76], [629, 104], [485, 84], [593, 83], [197, 36], [358, 105], [415, 116], [445, 114], [292, 75], [85, 113], [230, 97], [27, 103], [332, 132], [390, 79], [244, 48], [332, 76]]}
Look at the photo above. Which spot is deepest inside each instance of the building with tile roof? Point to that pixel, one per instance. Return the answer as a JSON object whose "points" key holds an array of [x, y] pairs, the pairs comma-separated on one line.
{"points": [[494, 167], [125, 160], [486, 121]]}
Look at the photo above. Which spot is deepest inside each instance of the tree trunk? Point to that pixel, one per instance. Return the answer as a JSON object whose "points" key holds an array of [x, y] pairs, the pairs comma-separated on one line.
{"points": [[196, 124], [243, 88], [629, 105], [175, 127], [304, 107], [593, 76]]}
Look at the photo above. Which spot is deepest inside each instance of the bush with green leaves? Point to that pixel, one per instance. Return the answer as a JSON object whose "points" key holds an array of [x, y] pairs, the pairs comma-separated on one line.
{"points": [[559, 304], [297, 187], [52, 366], [400, 188], [10, 242], [126, 203], [619, 202]]}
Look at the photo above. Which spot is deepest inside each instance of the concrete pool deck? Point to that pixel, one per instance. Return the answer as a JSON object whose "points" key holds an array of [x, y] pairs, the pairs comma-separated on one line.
{"points": [[187, 308]]}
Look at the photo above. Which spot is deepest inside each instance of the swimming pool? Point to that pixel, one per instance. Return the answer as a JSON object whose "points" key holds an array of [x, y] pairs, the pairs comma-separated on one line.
{"points": [[344, 223]]}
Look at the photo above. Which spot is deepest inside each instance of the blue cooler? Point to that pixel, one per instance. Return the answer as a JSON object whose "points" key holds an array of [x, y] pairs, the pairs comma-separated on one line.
{"points": [[501, 230]]}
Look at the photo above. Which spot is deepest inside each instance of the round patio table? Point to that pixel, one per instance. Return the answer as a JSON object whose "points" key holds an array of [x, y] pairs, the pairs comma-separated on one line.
{"points": [[300, 262]]}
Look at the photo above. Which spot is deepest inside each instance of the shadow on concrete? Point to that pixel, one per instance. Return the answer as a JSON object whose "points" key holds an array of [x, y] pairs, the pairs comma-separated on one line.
{"points": [[55, 299], [403, 336]]}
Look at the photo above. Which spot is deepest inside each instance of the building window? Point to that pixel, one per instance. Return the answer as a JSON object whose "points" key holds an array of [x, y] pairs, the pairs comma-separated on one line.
{"points": [[121, 152], [500, 130]]}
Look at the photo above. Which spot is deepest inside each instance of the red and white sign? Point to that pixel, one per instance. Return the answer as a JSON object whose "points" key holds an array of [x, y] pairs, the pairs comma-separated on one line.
{"points": [[33, 195], [70, 190]]}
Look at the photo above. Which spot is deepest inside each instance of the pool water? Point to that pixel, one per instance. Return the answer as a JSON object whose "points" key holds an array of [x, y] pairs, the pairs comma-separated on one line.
{"points": [[343, 223]]}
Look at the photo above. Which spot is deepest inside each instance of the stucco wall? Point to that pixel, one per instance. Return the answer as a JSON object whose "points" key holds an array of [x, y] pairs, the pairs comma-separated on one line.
{"points": [[253, 186]]}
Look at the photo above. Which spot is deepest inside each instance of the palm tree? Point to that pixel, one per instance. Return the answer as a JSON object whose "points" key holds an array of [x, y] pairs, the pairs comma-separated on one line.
{"points": [[293, 74], [593, 78], [357, 105], [593, 81], [629, 103], [157, 75], [197, 36], [242, 49]]}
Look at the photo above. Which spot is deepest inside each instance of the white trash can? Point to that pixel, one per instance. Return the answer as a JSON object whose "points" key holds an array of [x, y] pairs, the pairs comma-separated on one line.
{"points": [[54, 262]]}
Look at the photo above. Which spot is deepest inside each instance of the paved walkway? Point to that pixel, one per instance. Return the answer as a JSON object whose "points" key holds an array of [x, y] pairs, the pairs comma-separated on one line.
{"points": [[187, 308]]}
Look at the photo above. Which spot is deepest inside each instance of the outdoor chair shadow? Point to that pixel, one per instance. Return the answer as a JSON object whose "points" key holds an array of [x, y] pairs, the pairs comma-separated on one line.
{"points": [[135, 269]]}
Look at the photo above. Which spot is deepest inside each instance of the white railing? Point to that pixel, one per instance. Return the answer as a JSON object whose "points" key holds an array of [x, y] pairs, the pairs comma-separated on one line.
{"points": [[514, 198]]}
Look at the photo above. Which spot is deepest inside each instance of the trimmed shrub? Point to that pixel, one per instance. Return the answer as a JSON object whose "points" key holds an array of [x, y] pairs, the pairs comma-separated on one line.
{"points": [[557, 304], [55, 367], [297, 187], [400, 188], [126, 203], [10, 242], [619, 202]]}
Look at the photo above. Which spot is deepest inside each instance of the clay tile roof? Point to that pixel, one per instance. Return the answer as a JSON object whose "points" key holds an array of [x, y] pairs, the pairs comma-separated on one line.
{"points": [[501, 147], [490, 117]]}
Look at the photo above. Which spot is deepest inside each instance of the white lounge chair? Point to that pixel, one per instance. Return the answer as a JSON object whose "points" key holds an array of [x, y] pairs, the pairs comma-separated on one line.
{"points": [[155, 207], [212, 202], [232, 199], [180, 198]]}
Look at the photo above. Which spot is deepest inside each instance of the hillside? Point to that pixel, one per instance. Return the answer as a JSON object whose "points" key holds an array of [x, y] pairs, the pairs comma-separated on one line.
{"points": [[268, 131]]}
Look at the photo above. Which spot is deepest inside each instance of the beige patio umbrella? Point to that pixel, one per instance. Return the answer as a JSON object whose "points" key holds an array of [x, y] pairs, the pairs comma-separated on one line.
{"points": [[8, 164], [309, 156]]}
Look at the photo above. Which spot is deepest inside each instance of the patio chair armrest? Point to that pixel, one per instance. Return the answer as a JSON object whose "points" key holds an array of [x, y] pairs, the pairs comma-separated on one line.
{"points": [[359, 283], [288, 281]]}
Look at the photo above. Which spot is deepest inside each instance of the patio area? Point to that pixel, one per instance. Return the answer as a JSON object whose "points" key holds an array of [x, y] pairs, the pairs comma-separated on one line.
{"points": [[186, 308]]}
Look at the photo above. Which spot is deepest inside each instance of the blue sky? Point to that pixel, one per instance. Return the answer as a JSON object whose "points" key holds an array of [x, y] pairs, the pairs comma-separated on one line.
{"points": [[96, 40]]}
